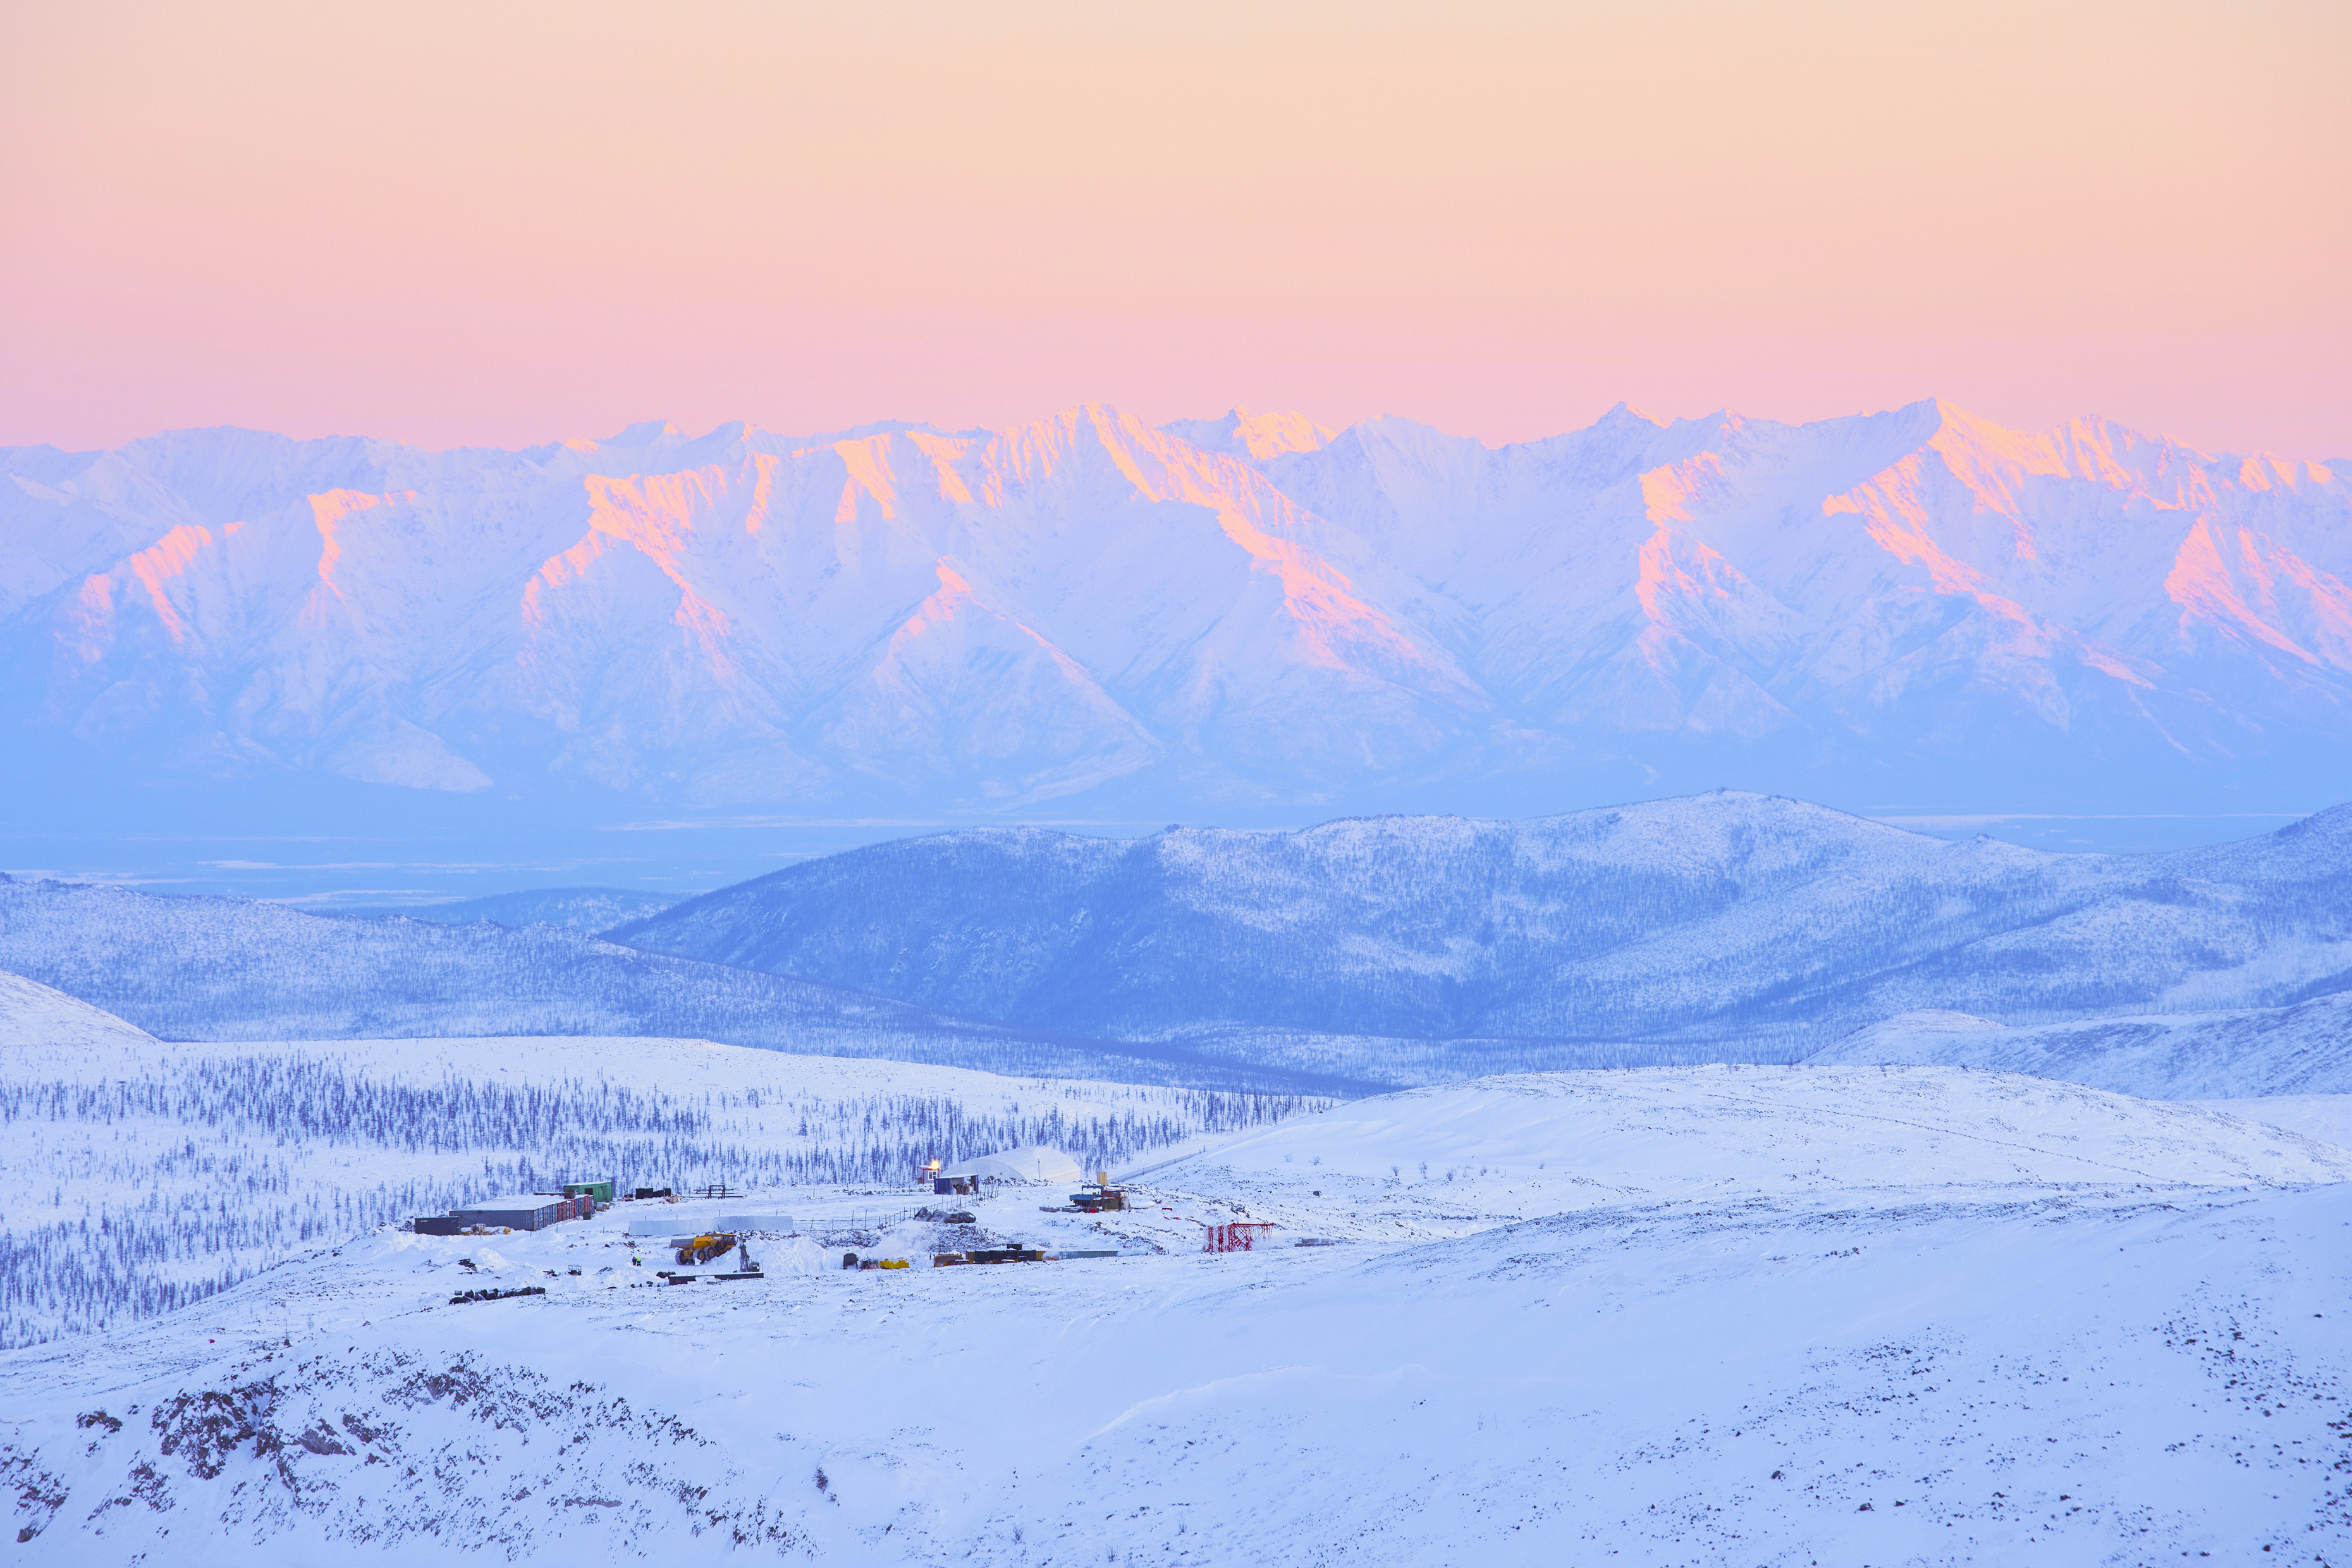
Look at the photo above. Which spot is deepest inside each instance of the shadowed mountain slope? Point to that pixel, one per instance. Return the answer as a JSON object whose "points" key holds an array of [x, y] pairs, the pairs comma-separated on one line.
{"points": [[235, 969], [1717, 918]]}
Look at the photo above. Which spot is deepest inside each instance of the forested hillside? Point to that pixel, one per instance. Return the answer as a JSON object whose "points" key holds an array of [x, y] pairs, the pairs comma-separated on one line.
{"points": [[236, 968], [1715, 918]]}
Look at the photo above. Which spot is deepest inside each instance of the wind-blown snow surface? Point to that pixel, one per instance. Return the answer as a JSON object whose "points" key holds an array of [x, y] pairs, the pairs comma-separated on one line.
{"points": [[1733, 1329], [2325, 1117], [1238, 610], [1535, 1143], [1727, 917], [2300, 1050]]}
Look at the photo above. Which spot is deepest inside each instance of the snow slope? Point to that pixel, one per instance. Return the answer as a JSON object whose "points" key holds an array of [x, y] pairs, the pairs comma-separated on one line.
{"points": [[2304, 1049], [38, 1023], [1250, 609], [2325, 1117], [2017, 1358], [1723, 918], [1437, 1161]]}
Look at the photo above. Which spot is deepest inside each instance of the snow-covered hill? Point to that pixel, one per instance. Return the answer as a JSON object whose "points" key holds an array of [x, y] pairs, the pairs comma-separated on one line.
{"points": [[1531, 1144], [237, 969], [41, 1025], [1249, 610], [1724, 917], [1360, 953], [2303, 1049], [2088, 1330]]}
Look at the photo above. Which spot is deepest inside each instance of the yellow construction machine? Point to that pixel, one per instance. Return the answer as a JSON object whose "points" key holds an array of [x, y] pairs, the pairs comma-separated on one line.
{"points": [[703, 1248]]}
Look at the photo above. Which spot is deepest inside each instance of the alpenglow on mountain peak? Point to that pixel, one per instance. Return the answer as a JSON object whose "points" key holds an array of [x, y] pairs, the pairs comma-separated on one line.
{"points": [[1249, 611]]}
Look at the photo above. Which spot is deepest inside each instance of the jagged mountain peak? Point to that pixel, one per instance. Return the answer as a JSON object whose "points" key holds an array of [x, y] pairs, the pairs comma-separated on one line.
{"points": [[648, 433], [1906, 593], [860, 433], [1259, 436], [1623, 413]]}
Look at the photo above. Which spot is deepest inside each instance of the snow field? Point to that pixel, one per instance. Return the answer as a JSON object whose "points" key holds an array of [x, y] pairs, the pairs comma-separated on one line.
{"points": [[2325, 1117], [1429, 1163], [1753, 1316], [40, 1025]]}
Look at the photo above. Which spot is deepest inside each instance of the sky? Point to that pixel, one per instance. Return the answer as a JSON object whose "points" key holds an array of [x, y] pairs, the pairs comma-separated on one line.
{"points": [[460, 223]]}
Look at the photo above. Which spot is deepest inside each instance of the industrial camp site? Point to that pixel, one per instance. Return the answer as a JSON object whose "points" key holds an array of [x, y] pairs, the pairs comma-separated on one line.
{"points": [[617, 1300], [708, 1232]]}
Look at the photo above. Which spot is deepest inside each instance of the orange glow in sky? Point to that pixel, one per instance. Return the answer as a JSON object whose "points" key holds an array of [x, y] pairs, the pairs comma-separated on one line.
{"points": [[511, 222]]}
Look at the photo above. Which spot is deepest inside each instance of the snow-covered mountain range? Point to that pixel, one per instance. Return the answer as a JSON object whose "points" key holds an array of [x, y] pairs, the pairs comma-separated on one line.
{"points": [[1246, 611], [1722, 917]]}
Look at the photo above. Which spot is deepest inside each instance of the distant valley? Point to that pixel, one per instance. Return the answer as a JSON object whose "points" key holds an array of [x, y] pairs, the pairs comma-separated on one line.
{"points": [[574, 908]]}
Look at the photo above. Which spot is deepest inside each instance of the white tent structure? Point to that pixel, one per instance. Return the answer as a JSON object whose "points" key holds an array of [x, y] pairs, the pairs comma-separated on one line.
{"points": [[1036, 1162]]}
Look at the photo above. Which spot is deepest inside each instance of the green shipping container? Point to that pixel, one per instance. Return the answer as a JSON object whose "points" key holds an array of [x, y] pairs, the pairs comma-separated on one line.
{"points": [[601, 1191]]}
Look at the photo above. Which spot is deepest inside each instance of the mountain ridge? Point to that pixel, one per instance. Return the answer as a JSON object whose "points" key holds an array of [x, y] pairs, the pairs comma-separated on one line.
{"points": [[1360, 953], [199, 967], [1249, 611], [1728, 917]]}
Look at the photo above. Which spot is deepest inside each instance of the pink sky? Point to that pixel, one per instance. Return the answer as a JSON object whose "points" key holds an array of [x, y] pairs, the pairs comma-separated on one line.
{"points": [[507, 222]]}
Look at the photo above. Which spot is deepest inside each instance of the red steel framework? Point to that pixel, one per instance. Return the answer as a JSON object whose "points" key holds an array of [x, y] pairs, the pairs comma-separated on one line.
{"points": [[1243, 1237]]}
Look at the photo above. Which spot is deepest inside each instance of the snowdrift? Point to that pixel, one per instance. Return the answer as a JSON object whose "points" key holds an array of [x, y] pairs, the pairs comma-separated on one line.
{"points": [[1034, 1163]]}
